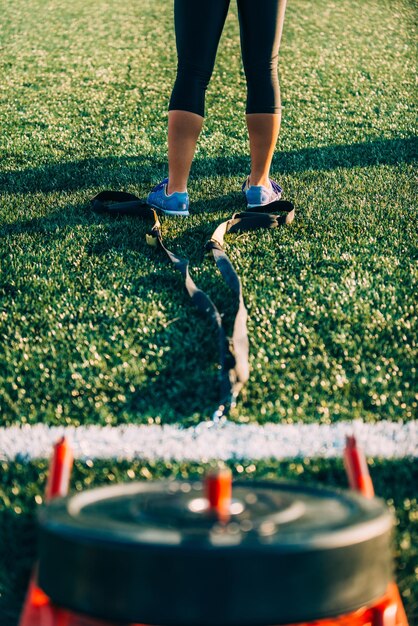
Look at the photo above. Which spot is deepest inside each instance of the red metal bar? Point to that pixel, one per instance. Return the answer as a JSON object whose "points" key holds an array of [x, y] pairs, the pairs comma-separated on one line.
{"points": [[218, 485], [59, 470], [37, 609], [356, 468], [388, 611]]}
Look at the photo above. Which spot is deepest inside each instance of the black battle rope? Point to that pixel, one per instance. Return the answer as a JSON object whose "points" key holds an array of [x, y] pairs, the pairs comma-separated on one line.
{"points": [[233, 351]]}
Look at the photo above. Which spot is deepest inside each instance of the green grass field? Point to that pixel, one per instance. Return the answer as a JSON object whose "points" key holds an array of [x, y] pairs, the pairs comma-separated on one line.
{"points": [[96, 328]]}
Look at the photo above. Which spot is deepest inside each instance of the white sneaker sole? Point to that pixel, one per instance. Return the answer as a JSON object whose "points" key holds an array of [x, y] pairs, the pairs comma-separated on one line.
{"points": [[253, 206], [167, 212]]}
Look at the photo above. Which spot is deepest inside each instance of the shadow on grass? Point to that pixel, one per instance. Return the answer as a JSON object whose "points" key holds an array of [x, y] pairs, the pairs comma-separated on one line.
{"points": [[80, 214], [168, 394], [116, 172]]}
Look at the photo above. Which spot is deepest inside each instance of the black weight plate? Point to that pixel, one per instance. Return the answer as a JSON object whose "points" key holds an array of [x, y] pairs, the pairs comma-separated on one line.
{"points": [[151, 553]]}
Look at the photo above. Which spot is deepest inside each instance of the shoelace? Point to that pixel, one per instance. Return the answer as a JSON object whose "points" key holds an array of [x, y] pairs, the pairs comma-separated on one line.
{"points": [[160, 185], [275, 186]]}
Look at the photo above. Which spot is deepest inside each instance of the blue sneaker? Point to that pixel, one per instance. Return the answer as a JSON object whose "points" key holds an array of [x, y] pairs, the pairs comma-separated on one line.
{"points": [[174, 204], [259, 195]]}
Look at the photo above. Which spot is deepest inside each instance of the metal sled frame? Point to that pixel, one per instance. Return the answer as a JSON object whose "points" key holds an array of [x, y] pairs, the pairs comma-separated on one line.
{"points": [[38, 609]]}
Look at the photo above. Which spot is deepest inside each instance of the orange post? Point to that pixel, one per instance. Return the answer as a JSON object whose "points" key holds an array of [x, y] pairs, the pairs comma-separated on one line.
{"points": [[356, 468], [390, 611], [59, 470], [37, 609], [218, 486]]}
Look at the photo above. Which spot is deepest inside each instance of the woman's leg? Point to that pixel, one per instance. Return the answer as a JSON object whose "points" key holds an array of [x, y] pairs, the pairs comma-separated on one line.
{"points": [[198, 24], [183, 132], [261, 25], [263, 131]]}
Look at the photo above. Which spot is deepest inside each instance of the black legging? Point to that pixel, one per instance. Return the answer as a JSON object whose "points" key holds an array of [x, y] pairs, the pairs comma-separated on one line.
{"points": [[199, 24]]}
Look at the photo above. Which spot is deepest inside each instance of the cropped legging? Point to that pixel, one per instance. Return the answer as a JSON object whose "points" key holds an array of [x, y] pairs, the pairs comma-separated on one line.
{"points": [[199, 24]]}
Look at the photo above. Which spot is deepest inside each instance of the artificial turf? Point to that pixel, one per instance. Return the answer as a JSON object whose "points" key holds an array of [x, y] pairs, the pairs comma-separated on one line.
{"points": [[96, 328], [94, 325]]}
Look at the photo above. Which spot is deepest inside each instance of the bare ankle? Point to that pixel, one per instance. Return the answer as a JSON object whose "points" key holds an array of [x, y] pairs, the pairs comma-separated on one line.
{"points": [[175, 189], [259, 181]]}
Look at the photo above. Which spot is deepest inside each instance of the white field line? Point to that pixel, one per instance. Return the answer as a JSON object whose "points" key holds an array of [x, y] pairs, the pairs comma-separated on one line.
{"points": [[208, 441]]}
